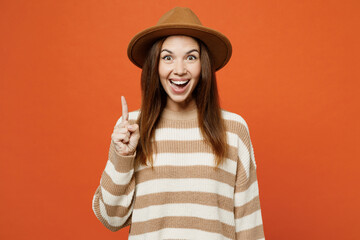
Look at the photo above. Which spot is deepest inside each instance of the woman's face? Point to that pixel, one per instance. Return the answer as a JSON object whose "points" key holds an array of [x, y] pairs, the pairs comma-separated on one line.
{"points": [[179, 70]]}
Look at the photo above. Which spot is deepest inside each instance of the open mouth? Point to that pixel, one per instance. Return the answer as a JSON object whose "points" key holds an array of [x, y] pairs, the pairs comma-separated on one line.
{"points": [[179, 84]]}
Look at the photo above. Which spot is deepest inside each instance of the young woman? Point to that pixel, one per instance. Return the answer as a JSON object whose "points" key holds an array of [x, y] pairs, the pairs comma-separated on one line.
{"points": [[180, 167]]}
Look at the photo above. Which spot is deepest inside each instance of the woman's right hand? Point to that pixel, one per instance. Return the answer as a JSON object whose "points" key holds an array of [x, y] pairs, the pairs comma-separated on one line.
{"points": [[125, 136]]}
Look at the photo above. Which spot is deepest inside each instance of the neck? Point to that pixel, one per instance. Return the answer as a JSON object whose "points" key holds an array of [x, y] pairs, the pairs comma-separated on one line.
{"points": [[181, 107]]}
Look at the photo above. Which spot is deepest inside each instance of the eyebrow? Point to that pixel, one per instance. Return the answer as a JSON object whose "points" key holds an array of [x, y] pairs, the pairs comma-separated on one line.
{"points": [[192, 50]]}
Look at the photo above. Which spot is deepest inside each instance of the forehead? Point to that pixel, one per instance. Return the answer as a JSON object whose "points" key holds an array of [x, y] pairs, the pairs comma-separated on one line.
{"points": [[180, 41]]}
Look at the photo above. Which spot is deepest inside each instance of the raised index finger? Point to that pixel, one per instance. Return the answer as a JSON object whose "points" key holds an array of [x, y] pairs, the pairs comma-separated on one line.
{"points": [[125, 114]]}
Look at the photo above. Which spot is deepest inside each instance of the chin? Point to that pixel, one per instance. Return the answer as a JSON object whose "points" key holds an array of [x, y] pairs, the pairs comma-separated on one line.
{"points": [[178, 99]]}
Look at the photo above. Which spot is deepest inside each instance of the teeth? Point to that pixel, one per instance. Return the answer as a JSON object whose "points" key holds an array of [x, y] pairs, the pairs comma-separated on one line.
{"points": [[179, 82]]}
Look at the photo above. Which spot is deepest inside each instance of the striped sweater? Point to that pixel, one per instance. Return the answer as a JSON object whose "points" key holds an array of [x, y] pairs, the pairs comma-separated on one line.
{"points": [[184, 196]]}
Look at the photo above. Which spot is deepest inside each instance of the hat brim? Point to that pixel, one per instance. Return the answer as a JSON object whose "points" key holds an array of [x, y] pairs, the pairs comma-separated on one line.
{"points": [[218, 44]]}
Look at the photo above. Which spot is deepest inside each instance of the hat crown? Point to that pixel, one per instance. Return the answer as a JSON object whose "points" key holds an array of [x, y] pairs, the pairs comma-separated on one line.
{"points": [[180, 21], [179, 15]]}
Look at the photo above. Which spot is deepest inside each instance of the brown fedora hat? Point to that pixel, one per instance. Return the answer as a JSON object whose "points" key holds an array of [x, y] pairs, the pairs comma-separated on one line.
{"points": [[180, 21]]}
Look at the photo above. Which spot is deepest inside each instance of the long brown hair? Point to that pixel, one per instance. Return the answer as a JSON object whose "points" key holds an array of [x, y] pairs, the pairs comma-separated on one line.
{"points": [[154, 100]]}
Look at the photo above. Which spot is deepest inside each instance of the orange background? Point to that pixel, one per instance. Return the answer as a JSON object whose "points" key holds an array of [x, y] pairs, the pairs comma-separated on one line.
{"points": [[294, 77]]}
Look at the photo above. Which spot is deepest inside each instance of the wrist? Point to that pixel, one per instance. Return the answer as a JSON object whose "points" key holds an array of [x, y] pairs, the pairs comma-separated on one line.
{"points": [[130, 154]]}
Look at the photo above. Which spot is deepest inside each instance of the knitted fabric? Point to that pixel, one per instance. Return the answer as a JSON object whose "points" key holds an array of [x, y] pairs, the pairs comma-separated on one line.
{"points": [[184, 196]]}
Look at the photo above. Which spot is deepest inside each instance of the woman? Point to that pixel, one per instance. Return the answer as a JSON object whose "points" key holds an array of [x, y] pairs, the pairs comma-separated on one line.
{"points": [[180, 167]]}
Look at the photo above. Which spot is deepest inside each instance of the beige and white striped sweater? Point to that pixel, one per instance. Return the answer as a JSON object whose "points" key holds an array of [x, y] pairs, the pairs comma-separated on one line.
{"points": [[184, 196]]}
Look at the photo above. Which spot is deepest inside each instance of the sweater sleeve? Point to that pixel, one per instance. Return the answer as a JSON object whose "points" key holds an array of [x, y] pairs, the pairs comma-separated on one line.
{"points": [[248, 218], [114, 198]]}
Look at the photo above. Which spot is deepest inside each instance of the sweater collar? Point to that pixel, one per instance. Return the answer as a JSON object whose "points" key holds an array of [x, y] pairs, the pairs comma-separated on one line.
{"points": [[179, 115]]}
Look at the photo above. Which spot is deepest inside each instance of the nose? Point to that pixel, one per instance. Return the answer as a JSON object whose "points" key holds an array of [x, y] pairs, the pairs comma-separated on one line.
{"points": [[180, 68]]}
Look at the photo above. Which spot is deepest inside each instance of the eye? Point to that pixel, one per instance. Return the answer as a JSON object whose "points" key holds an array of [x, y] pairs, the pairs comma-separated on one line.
{"points": [[167, 58], [191, 57]]}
